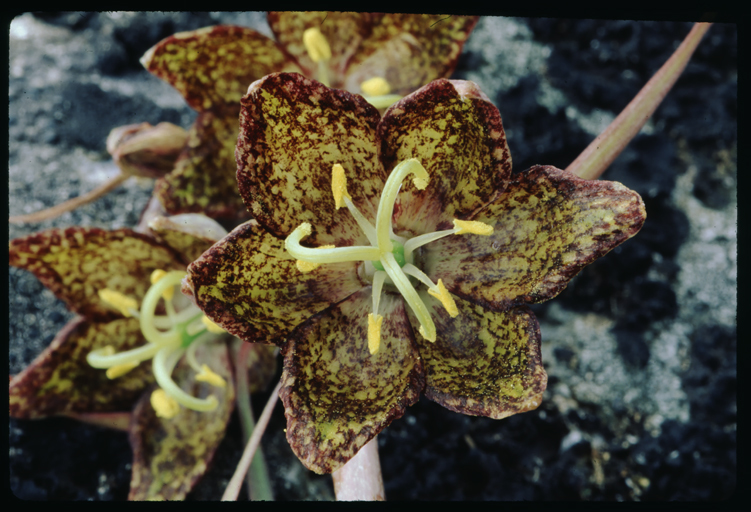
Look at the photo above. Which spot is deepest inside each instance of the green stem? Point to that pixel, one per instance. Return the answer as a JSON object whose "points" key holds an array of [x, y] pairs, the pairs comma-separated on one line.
{"points": [[257, 479], [598, 156]]}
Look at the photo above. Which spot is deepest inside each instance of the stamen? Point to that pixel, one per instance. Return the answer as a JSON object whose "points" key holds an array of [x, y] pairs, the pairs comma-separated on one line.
{"points": [[156, 276], [211, 326], [472, 226], [164, 405], [339, 185], [376, 86], [126, 305], [212, 378], [461, 227], [119, 370], [441, 293], [163, 364], [383, 102], [321, 255], [374, 332], [316, 45]]}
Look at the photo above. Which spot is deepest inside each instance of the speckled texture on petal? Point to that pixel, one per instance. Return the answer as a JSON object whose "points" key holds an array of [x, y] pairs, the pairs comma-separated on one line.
{"points": [[483, 363], [409, 50], [170, 455], [60, 380], [248, 284], [215, 65], [451, 127], [76, 262], [344, 32], [292, 131], [548, 225], [336, 396], [189, 234], [203, 180]]}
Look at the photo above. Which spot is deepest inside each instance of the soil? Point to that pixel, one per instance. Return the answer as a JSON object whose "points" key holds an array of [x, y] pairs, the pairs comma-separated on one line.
{"points": [[640, 348]]}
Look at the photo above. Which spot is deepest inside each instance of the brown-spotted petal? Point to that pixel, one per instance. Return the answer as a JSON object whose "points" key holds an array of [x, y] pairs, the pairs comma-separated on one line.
{"points": [[77, 262], [214, 66], [451, 127], [343, 31], [189, 234], [548, 225], [483, 363], [60, 381], [203, 180], [249, 285], [292, 131], [409, 50], [171, 455], [337, 396]]}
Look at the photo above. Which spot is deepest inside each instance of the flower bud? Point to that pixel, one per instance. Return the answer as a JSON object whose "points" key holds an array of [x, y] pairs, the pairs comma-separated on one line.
{"points": [[145, 150]]}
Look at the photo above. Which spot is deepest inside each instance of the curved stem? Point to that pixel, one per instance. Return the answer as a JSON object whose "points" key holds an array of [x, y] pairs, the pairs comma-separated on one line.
{"points": [[72, 204], [360, 479], [598, 156]]}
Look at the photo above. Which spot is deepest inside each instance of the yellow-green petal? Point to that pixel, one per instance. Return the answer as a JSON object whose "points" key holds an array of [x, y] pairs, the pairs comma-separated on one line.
{"points": [[548, 225], [249, 285], [483, 363], [77, 262], [203, 180], [171, 455], [337, 396], [189, 234], [213, 66], [60, 381], [456, 133]]}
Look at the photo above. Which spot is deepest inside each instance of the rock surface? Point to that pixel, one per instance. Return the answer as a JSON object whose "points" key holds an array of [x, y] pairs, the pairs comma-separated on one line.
{"points": [[640, 349]]}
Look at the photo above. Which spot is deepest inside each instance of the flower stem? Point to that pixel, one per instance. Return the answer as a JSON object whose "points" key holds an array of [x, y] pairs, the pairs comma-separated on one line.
{"points": [[113, 420], [259, 484], [233, 488], [360, 479], [598, 156], [72, 204]]}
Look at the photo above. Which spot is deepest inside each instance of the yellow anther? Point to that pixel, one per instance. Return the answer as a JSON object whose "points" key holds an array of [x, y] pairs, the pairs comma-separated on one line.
{"points": [[156, 276], [316, 44], [420, 183], [164, 405], [441, 293], [212, 378], [339, 185], [118, 301], [375, 86], [472, 226], [109, 350], [306, 266], [211, 326], [119, 370], [374, 332]]}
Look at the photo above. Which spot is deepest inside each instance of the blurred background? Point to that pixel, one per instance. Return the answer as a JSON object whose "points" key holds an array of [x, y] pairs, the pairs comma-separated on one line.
{"points": [[640, 349]]}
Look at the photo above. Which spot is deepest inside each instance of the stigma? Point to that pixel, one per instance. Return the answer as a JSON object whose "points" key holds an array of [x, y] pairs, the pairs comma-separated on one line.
{"points": [[391, 257], [169, 338]]}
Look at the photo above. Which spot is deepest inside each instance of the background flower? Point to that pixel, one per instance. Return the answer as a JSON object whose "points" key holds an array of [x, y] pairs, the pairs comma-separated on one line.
{"points": [[640, 338]]}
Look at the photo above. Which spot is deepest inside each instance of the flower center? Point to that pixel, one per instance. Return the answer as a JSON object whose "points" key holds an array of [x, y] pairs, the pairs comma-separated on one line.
{"points": [[169, 337], [392, 256]]}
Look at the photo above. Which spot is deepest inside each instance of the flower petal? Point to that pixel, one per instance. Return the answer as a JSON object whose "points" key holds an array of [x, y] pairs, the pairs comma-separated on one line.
{"points": [[343, 30], [213, 66], [292, 131], [60, 381], [171, 455], [409, 50], [483, 363], [451, 127], [249, 285], [337, 396], [189, 234], [76, 262], [203, 180], [548, 225]]}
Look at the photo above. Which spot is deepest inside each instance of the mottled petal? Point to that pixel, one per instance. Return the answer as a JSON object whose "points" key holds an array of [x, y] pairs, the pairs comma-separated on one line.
{"points": [[203, 180], [409, 50], [213, 66], [548, 225], [60, 381], [483, 363], [76, 262], [292, 131], [451, 127], [337, 396], [249, 285], [343, 30], [189, 234], [171, 455]]}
